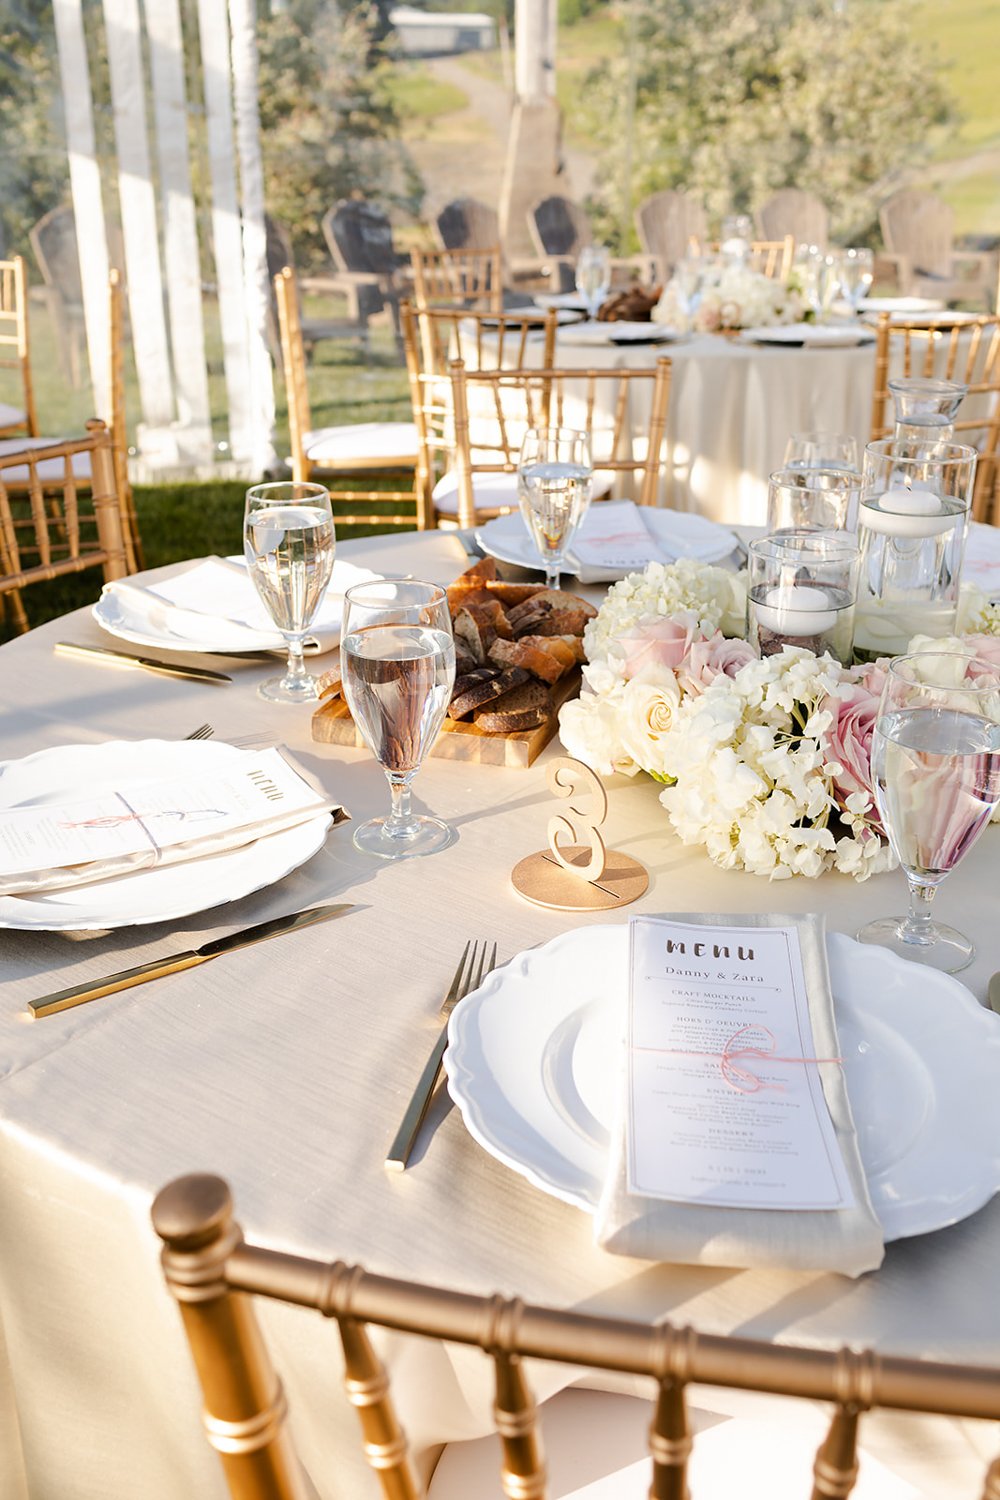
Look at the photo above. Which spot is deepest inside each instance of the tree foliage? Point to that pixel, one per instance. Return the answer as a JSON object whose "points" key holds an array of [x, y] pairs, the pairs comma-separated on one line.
{"points": [[327, 121], [33, 167], [737, 98]]}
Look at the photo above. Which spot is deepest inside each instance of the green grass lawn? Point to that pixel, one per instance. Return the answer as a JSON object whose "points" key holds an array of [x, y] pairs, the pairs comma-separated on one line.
{"points": [[197, 518]]}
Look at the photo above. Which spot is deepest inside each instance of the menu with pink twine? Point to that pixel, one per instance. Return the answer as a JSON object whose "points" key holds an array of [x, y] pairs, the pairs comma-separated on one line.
{"points": [[735, 1144]]}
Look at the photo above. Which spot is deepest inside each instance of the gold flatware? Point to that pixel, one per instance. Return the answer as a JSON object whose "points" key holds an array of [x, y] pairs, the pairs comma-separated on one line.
{"points": [[149, 663], [79, 994], [203, 732], [472, 969]]}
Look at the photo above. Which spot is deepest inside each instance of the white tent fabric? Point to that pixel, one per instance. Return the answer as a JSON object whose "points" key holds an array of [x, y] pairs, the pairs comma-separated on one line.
{"points": [[85, 184]]}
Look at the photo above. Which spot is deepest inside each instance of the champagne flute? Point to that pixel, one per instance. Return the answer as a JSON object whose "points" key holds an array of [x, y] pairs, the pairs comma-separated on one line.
{"points": [[593, 276], [935, 765], [554, 481], [397, 656], [288, 542]]}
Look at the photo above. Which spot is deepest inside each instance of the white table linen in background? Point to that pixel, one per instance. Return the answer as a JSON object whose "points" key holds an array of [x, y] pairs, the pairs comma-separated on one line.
{"points": [[286, 1068], [732, 408]]}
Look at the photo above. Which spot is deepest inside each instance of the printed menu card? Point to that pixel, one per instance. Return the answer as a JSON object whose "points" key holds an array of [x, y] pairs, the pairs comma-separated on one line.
{"points": [[141, 823], [724, 1096], [614, 535]]}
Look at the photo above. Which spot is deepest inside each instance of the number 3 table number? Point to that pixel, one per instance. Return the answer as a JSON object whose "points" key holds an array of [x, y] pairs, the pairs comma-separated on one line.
{"points": [[577, 872]]}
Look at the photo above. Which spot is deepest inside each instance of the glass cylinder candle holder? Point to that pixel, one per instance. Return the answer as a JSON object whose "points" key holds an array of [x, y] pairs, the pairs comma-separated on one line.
{"points": [[801, 593], [807, 499], [926, 409], [912, 525]]}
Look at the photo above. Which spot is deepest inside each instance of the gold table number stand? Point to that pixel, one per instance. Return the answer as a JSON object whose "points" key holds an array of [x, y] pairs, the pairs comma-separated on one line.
{"points": [[584, 874]]}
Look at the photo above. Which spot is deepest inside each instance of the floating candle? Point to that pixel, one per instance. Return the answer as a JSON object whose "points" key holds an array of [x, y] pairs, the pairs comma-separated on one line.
{"points": [[796, 610], [904, 512]]}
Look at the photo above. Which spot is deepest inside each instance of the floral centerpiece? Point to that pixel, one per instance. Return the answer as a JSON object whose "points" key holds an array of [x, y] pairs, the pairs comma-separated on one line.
{"points": [[763, 762], [728, 295]]}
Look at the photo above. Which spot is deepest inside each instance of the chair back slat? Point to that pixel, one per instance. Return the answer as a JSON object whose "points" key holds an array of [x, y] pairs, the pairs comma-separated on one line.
{"points": [[213, 1274], [46, 531], [769, 257], [498, 406], [962, 351], [470, 279]]}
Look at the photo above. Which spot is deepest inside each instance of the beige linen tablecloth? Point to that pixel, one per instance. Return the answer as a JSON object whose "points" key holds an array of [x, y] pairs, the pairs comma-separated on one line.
{"points": [[287, 1067], [732, 408]]}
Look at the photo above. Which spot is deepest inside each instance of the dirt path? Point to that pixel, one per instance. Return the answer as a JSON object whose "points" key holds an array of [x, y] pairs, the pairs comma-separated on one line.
{"points": [[462, 154]]}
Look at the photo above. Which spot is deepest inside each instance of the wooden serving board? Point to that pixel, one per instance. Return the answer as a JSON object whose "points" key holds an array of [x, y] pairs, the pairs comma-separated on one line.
{"points": [[332, 725]]}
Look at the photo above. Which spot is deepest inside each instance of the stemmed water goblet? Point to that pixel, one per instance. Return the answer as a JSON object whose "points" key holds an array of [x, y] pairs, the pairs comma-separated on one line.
{"points": [[593, 276], [854, 272], [935, 767], [554, 482], [288, 543], [397, 656]]}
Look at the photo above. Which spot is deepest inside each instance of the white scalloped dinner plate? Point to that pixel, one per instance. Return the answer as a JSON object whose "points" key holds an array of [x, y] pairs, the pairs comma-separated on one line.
{"points": [[678, 533], [530, 1064], [151, 895]]}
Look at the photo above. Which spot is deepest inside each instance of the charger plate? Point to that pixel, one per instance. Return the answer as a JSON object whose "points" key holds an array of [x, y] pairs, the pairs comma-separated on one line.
{"points": [[159, 895], [528, 1066]]}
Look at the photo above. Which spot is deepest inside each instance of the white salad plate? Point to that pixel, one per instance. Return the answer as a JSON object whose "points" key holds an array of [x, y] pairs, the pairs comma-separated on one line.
{"points": [[676, 534], [531, 1065], [902, 305], [602, 334], [158, 895], [810, 336]]}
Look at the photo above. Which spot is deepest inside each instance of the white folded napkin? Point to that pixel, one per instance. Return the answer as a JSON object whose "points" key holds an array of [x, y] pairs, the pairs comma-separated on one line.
{"points": [[616, 536], [216, 601], [141, 825], [847, 1239]]}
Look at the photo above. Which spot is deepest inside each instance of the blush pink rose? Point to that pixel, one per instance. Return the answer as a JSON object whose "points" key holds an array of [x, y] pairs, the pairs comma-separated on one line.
{"points": [[985, 651], [871, 675], [848, 741], [707, 660], [659, 643]]}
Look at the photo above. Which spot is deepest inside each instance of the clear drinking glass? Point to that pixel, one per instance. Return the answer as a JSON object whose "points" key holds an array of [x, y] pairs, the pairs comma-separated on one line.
{"points": [[813, 499], [912, 525], [288, 542], [554, 481], [593, 276], [853, 274], [821, 450], [935, 764], [397, 656], [801, 592]]}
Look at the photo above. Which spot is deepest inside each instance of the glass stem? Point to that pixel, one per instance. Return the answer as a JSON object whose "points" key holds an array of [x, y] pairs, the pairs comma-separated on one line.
{"points": [[400, 820], [552, 576], [917, 926], [296, 669]]}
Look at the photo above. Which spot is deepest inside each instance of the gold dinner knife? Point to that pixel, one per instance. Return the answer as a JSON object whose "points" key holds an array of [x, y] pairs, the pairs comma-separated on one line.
{"points": [[79, 994], [150, 663]]}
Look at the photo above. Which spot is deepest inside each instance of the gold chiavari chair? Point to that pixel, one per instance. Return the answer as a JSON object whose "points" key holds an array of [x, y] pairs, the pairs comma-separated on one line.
{"points": [[387, 448], [51, 527], [962, 351], [14, 352], [18, 478], [215, 1275], [623, 412], [770, 257], [462, 278], [432, 338]]}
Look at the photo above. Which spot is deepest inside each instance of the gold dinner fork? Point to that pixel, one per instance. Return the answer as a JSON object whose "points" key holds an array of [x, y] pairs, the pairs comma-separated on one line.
{"points": [[472, 969], [203, 732]]}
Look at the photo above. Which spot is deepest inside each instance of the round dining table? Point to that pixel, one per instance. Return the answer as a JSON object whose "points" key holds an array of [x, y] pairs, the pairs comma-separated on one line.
{"points": [[286, 1068], [733, 405]]}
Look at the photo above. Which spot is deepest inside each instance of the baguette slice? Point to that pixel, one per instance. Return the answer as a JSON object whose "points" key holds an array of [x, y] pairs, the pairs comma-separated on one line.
{"points": [[530, 653], [526, 707], [483, 686]]}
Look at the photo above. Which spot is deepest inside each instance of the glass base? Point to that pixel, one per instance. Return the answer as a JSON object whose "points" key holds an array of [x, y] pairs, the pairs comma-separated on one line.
{"points": [[423, 835], [944, 949], [297, 690]]}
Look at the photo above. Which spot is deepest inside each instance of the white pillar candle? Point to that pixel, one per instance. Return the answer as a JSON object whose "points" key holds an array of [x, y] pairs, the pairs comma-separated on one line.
{"points": [[910, 513], [796, 610]]}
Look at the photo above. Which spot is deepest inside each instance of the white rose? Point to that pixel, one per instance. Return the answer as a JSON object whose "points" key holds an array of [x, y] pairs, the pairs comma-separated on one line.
{"points": [[649, 704]]}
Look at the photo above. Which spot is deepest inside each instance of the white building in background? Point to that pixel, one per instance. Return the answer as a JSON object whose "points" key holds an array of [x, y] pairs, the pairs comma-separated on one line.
{"points": [[427, 32]]}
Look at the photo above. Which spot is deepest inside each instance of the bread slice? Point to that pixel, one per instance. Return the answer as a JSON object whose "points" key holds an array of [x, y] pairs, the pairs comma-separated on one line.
{"points": [[533, 655], [551, 612], [511, 594], [526, 707], [484, 686], [472, 581]]}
